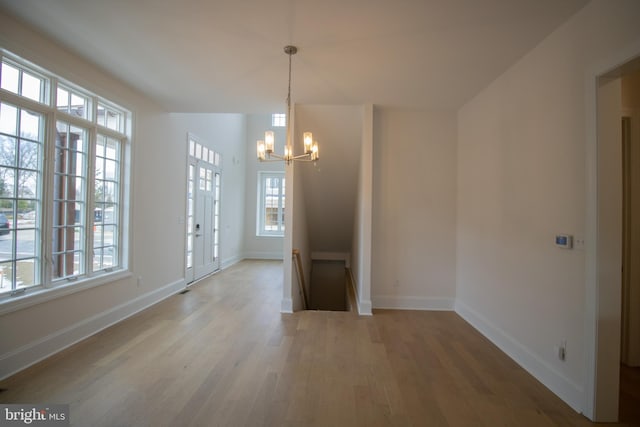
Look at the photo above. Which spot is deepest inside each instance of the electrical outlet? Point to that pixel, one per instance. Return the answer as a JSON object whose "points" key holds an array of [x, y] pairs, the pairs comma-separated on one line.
{"points": [[578, 242]]}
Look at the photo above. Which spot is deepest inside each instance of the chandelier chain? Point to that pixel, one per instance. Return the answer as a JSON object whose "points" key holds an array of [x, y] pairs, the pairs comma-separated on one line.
{"points": [[289, 89]]}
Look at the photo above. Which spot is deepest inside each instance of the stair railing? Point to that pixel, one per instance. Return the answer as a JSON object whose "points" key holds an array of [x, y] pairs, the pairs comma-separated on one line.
{"points": [[298, 263]]}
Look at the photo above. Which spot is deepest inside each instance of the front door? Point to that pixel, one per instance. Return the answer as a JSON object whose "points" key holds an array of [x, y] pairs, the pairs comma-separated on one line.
{"points": [[203, 212]]}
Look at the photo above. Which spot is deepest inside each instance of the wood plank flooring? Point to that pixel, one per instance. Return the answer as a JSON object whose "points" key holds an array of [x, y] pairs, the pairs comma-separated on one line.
{"points": [[223, 355]]}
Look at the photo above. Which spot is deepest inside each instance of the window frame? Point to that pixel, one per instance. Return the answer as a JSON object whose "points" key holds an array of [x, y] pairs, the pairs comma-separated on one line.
{"points": [[261, 231], [278, 120], [49, 287]]}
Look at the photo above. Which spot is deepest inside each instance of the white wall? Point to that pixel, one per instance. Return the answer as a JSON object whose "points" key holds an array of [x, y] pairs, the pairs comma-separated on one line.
{"points": [[362, 221], [521, 180], [259, 247], [300, 238], [331, 183], [414, 209], [157, 199]]}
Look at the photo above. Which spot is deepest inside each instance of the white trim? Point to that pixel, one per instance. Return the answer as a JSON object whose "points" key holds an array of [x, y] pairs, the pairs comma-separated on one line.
{"points": [[190, 161], [277, 120], [32, 297], [364, 307], [228, 262], [412, 303], [559, 384], [286, 306], [594, 393], [276, 255], [34, 352], [260, 206], [366, 175]]}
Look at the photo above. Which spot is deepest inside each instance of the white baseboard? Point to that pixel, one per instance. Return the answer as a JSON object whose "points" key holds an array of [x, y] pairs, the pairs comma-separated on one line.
{"points": [[263, 255], [226, 263], [563, 387], [364, 307], [27, 355], [412, 303], [286, 306]]}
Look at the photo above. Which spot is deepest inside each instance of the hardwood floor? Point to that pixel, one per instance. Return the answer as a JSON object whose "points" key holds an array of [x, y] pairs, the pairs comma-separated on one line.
{"points": [[223, 355]]}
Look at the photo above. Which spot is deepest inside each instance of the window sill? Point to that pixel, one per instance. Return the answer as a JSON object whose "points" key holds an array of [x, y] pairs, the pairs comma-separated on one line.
{"points": [[9, 304], [270, 236]]}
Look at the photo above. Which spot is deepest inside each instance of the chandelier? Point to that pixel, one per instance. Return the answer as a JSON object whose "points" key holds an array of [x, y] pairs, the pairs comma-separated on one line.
{"points": [[265, 147]]}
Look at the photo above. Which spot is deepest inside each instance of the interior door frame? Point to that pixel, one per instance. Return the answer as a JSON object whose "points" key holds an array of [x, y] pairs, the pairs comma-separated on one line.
{"points": [[602, 311], [188, 269], [214, 162], [626, 233]]}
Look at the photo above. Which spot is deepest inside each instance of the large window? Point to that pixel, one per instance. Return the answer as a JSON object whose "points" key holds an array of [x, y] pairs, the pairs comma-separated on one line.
{"points": [[270, 204], [61, 178], [21, 145]]}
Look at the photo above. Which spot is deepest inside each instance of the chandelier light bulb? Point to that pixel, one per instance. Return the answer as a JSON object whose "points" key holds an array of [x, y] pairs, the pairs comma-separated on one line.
{"points": [[269, 141], [260, 150], [307, 137]]}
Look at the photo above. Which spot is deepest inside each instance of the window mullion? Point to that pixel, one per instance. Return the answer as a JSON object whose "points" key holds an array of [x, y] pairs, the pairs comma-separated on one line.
{"points": [[90, 200], [53, 93], [46, 214], [121, 201], [74, 120], [24, 103], [20, 75], [263, 204], [280, 206]]}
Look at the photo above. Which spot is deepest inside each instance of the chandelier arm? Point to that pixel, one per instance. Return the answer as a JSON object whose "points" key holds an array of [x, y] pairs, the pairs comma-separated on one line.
{"points": [[277, 156], [272, 160]]}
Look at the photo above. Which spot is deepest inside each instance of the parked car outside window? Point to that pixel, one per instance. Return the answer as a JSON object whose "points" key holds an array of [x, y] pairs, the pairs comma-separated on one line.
{"points": [[4, 225]]}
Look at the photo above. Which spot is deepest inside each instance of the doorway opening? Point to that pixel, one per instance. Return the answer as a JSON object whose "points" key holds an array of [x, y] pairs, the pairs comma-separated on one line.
{"points": [[202, 231], [612, 260], [328, 287], [630, 319]]}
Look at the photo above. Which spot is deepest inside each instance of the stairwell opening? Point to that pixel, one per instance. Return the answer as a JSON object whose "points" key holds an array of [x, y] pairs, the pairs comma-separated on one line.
{"points": [[329, 286]]}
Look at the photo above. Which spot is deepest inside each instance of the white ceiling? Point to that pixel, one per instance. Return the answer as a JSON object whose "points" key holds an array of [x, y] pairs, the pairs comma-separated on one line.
{"points": [[226, 55]]}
